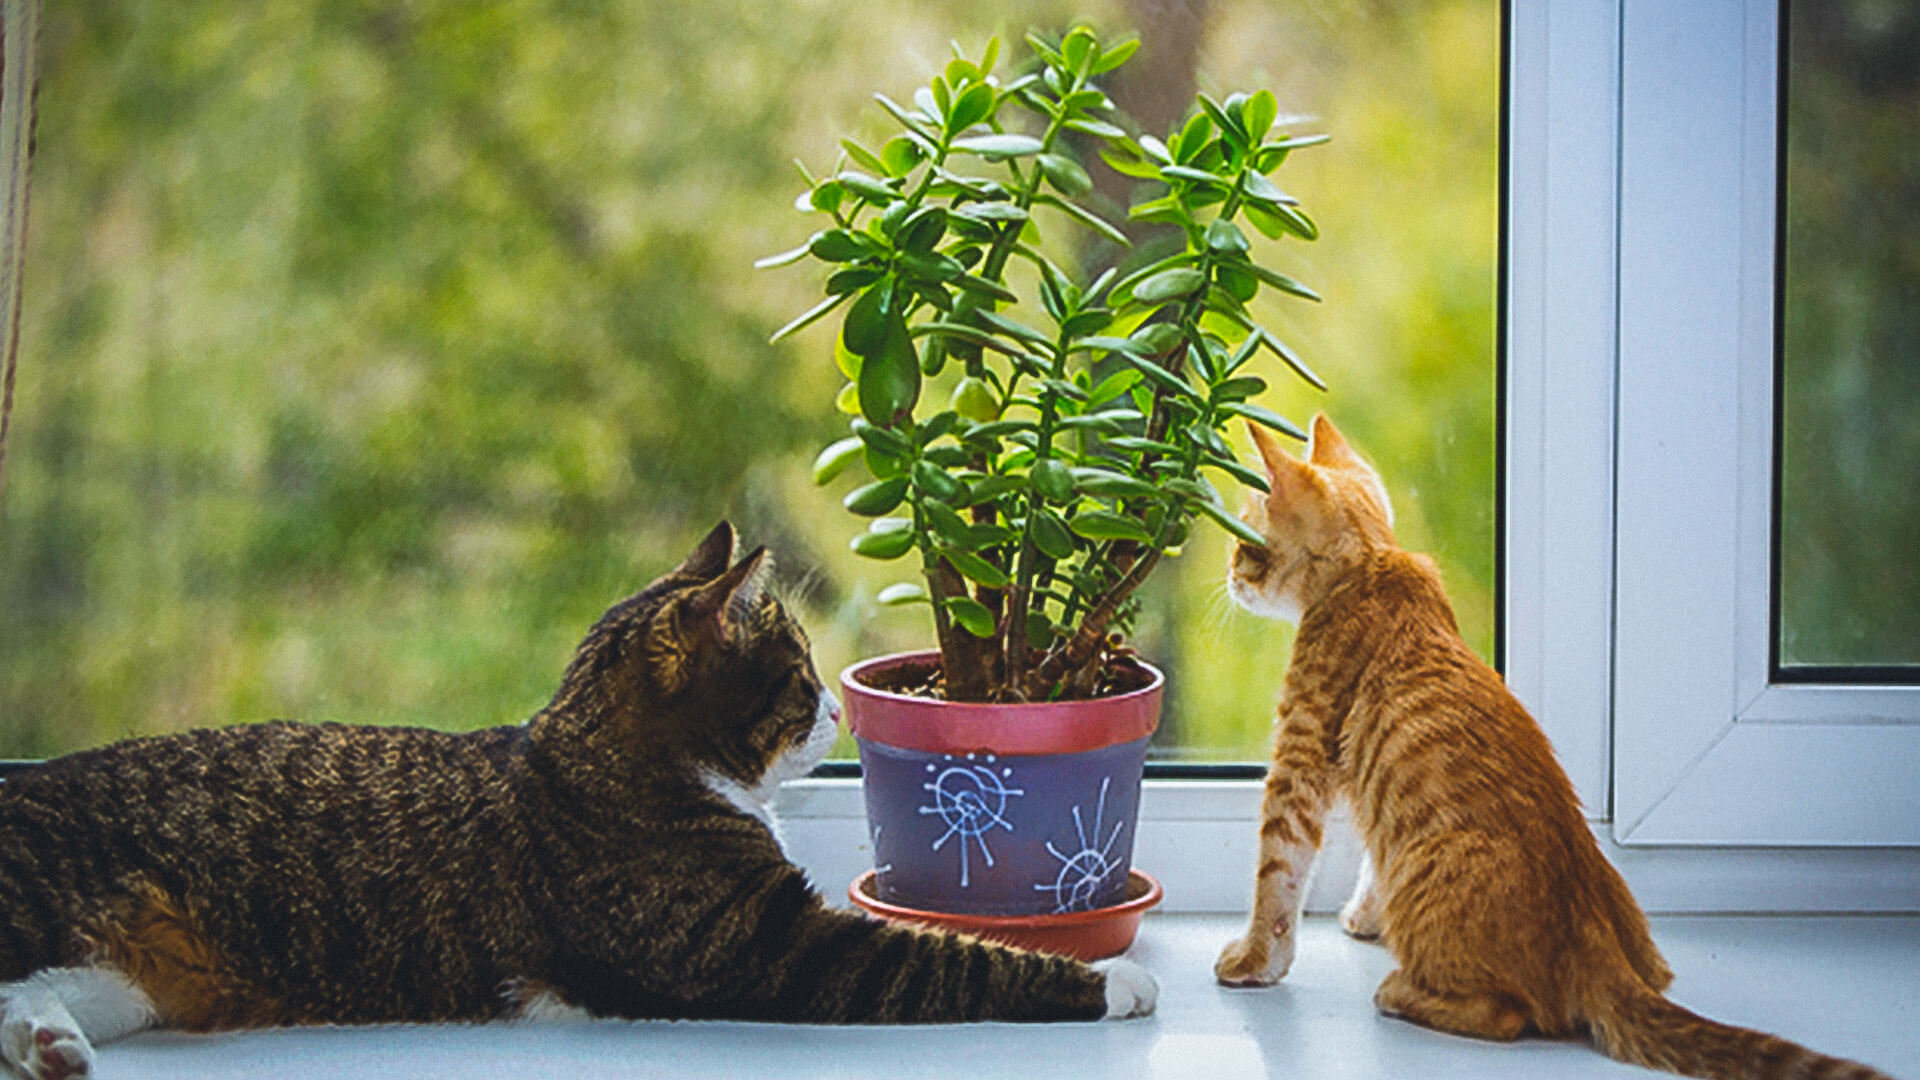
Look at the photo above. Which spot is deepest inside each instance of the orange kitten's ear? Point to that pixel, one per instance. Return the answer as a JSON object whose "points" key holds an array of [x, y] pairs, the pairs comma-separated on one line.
{"points": [[710, 556], [722, 604], [1327, 447], [1330, 450], [1272, 454]]}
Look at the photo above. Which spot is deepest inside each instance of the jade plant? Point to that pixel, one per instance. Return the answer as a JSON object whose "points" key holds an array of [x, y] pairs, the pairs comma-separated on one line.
{"points": [[1087, 415]]}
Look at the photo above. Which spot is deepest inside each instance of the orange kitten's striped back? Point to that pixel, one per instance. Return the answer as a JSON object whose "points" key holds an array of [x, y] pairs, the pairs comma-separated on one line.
{"points": [[1483, 875]]}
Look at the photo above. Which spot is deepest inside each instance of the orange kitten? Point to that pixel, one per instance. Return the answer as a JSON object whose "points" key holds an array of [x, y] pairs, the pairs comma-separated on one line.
{"points": [[1482, 874]]}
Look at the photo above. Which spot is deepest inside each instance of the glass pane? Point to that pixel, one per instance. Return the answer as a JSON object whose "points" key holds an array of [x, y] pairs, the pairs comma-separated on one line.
{"points": [[1849, 585], [369, 354]]}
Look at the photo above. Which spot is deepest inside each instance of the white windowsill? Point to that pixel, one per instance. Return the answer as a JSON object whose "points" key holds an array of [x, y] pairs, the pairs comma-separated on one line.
{"points": [[1199, 838], [1843, 985]]}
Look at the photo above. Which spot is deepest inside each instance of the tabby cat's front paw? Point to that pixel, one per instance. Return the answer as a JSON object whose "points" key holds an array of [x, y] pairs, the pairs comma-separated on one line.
{"points": [[1131, 989], [1255, 960]]}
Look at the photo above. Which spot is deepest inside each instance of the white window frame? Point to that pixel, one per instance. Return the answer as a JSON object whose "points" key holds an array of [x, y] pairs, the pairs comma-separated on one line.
{"points": [[1707, 749], [1585, 329]]}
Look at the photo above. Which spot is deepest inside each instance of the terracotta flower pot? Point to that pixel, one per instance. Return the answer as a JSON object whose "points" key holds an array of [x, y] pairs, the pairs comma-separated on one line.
{"points": [[1000, 810]]}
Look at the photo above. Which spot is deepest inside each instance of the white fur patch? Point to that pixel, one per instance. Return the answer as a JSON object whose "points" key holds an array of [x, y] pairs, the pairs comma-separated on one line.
{"points": [[546, 1007], [50, 1020], [1131, 989], [1284, 608], [757, 801]]}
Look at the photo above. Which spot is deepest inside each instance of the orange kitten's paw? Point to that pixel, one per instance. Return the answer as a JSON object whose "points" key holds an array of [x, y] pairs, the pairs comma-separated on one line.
{"points": [[1255, 960], [1360, 917], [44, 1049]]}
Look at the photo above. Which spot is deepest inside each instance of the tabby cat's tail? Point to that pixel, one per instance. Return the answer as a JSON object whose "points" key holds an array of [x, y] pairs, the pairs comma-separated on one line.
{"points": [[1632, 1023]]}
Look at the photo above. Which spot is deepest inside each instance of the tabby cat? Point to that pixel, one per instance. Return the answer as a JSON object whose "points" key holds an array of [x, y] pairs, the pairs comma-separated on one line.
{"points": [[614, 856], [1482, 875]]}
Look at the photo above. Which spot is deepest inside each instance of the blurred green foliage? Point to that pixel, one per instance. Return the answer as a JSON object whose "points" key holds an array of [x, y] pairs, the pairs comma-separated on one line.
{"points": [[371, 350], [1850, 452]]}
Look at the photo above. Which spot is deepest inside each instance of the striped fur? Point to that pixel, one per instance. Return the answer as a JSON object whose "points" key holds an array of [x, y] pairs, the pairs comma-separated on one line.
{"points": [[289, 874], [1485, 880]]}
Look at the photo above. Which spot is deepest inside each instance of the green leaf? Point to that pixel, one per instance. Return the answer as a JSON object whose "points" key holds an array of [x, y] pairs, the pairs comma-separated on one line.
{"points": [[1191, 138], [1014, 329], [866, 324], [1238, 471], [930, 265], [1234, 525], [1130, 165], [885, 440], [993, 488], [867, 187], [991, 211], [1160, 375], [935, 481], [1282, 282], [1169, 285], [1109, 484], [1086, 217], [1000, 428], [1050, 535], [1238, 389], [1113, 386], [906, 119], [1266, 417], [807, 317], [999, 146], [900, 155], [1193, 176], [1258, 114], [1134, 444], [1225, 238], [785, 258], [977, 284], [1114, 55], [877, 498], [1097, 128], [836, 245], [977, 568], [1227, 125], [974, 104], [1039, 629], [1065, 174], [902, 593], [947, 524], [971, 615], [1107, 525], [882, 545], [1279, 348], [1263, 189], [864, 157], [890, 376], [1052, 479], [1264, 219], [835, 458]]}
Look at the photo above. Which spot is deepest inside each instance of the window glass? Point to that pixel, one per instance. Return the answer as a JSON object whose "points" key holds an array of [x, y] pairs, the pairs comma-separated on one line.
{"points": [[370, 351], [1848, 594]]}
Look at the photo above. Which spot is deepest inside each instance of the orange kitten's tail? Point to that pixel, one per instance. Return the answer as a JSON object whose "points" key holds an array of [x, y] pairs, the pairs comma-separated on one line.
{"points": [[1638, 1026]]}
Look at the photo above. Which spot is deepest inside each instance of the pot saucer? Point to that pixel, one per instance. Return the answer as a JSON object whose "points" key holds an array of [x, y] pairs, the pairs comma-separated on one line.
{"points": [[1083, 935]]}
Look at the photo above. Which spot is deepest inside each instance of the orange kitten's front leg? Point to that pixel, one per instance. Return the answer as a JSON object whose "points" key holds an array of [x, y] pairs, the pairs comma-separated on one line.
{"points": [[1299, 787], [1362, 914]]}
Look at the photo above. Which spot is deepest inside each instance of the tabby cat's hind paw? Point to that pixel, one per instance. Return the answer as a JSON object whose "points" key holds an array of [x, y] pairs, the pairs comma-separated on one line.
{"points": [[1360, 918], [1131, 989], [44, 1049]]}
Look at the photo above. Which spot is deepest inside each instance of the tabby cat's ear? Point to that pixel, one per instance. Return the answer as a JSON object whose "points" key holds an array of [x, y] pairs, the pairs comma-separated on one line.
{"points": [[722, 604], [710, 556]]}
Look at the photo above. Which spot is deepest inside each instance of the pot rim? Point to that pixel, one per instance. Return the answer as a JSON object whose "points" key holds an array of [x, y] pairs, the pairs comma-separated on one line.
{"points": [[1032, 727]]}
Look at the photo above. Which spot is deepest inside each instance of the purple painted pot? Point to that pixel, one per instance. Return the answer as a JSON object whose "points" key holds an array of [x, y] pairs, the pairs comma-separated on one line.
{"points": [[998, 809]]}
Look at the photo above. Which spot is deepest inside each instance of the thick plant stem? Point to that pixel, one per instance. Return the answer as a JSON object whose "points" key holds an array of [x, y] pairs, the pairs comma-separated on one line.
{"points": [[1084, 646], [19, 30]]}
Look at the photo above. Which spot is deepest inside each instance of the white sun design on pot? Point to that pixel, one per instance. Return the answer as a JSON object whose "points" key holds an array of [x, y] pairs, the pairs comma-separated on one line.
{"points": [[971, 800], [1084, 872]]}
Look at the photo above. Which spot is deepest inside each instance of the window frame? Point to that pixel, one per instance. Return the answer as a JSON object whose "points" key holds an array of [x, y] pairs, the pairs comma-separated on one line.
{"points": [[1573, 314]]}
